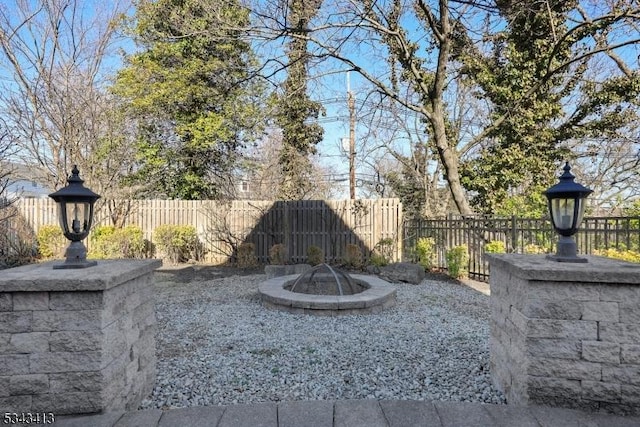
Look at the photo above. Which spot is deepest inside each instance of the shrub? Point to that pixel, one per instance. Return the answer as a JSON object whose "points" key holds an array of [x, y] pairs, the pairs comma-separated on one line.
{"points": [[247, 255], [109, 242], [278, 254], [495, 247], [425, 251], [353, 256], [624, 255], [51, 241], [383, 252], [378, 260], [178, 243], [534, 249], [102, 243], [17, 243], [16, 252], [315, 255], [457, 262]]}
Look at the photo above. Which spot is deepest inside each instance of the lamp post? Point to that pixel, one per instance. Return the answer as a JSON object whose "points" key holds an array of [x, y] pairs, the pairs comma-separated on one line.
{"points": [[566, 207], [75, 212]]}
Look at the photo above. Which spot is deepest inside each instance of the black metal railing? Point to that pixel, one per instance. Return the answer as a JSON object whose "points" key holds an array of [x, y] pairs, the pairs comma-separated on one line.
{"points": [[519, 235]]}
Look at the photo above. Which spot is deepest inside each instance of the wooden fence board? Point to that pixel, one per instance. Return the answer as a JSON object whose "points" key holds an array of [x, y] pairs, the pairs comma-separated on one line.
{"points": [[330, 224]]}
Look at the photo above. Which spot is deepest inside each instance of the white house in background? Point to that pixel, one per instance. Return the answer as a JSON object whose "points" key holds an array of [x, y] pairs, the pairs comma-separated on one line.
{"points": [[24, 182]]}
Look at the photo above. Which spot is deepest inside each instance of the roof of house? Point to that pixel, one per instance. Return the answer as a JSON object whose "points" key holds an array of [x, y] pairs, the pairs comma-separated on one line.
{"points": [[24, 180]]}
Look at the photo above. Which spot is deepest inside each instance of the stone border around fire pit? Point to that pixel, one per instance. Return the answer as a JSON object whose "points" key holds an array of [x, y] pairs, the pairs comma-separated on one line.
{"points": [[379, 296]]}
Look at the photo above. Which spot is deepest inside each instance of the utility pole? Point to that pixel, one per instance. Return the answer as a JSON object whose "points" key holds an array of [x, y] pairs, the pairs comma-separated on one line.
{"points": [[351, 102]]}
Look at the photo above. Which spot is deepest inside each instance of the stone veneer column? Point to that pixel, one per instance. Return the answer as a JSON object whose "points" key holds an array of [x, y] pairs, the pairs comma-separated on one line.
{"points": [[77, 341], [566, 334]]}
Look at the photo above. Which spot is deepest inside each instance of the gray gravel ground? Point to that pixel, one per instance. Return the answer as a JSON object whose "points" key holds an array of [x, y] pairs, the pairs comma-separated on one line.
{"points": [[217, 345]]}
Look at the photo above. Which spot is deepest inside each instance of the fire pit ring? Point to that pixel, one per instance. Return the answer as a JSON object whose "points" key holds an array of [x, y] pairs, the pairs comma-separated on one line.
{"points": [[377, 296]]}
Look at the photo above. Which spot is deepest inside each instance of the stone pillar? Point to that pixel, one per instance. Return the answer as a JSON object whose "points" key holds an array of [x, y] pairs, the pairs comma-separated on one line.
{"points": [[77, 341], [566, 334]]}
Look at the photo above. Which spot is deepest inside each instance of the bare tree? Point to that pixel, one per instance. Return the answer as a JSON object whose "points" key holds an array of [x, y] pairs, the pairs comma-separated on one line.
{"points": [[612, 171], [418, 65], [5, 168], [355, 32], [55, 59], [16, 237], [395, 147], [263, 174], [223, 235]]}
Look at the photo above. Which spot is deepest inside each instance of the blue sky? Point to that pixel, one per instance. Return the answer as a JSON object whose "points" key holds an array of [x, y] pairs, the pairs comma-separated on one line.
{"points": [[330, 90]]}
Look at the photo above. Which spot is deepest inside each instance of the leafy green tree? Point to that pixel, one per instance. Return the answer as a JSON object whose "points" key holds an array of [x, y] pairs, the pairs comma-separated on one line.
{"points": [[534, 66], [190, 92], [296, 112], [531, 204], [632, 209]]}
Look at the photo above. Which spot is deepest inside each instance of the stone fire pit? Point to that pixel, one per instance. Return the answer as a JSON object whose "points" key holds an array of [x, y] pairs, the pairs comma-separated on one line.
{"points": [[365, 295]]}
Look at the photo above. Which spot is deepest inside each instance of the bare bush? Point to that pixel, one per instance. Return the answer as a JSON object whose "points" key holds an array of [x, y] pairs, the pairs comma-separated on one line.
{"points": [[17, 239]]}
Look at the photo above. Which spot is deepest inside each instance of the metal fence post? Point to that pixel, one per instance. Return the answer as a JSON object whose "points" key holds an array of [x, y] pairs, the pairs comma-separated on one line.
{"points": [[514, 234]]}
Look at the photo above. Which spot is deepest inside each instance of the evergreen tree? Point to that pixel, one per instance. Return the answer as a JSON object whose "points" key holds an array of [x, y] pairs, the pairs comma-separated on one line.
{"points": [[190, 94], [296, 111]]}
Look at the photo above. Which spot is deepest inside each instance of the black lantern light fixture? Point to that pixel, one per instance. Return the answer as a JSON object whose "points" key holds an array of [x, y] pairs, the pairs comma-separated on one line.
{"points": [[75, 212], [566, 207]]}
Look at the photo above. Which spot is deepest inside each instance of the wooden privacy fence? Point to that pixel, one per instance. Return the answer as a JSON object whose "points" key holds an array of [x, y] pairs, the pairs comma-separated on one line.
{"points": [[222, 226], [519, 235]]}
